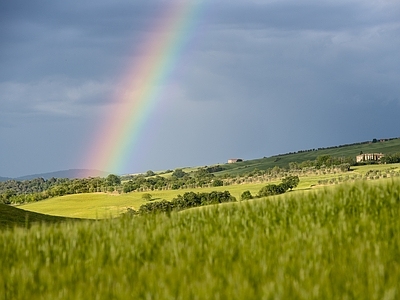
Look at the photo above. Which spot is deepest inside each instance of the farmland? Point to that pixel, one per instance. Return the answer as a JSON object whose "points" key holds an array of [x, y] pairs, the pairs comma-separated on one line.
{"points": [[337, 242], [104, 205], [335, 236], [282, 160]]}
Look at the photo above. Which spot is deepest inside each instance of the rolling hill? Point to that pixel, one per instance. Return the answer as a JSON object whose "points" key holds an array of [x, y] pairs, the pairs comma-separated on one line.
{"points": [[71, 174], [11, 216], [4, 178], [387, 146]]}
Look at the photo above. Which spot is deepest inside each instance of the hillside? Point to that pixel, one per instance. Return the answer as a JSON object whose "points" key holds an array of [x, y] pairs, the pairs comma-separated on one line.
{"points": [[4, 178], [11, 216], [282, 160], [71, 174]]}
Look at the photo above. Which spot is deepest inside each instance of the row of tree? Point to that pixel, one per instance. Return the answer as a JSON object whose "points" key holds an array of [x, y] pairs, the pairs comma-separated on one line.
{"points": [[288, 183], [18, 192], [391, 159], [188, 200]]}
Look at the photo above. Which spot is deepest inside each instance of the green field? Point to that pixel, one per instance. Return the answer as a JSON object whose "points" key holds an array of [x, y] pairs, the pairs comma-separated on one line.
{"points": [[11, 216], [103, 205], [387, 147], [337, 242]]}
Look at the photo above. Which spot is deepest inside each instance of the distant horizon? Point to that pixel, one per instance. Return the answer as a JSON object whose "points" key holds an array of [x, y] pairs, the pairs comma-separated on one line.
{"points": [[191, 166]]}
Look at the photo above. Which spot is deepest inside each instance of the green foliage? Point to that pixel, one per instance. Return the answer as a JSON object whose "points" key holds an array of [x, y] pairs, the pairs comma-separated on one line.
{"points": [[178, 173], [113, 180], [150, 173], [214, 169], [188, 200], [290, 182], [147, 197], [391, 158], [246, 195], [217, 182], [272, 189], [129, 186]]}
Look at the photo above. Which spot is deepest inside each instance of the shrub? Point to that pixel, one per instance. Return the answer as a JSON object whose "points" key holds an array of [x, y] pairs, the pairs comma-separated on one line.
{"points": [[246, 195], [271, 189], [147, 197], [188, 200], [217, 182]]}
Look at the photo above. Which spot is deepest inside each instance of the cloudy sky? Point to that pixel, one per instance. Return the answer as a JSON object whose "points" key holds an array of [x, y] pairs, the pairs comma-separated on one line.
{"points": [[255, 78]]}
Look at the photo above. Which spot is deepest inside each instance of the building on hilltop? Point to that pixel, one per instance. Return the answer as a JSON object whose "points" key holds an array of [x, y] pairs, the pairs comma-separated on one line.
{"points": [[369, 157], [234, 160]]}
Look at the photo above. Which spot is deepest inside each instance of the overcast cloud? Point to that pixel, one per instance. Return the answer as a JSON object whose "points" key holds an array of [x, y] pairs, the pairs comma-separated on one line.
{"points": [[257, 78]]}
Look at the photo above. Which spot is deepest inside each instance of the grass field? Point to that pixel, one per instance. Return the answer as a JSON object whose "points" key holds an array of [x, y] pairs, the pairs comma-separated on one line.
{"points": [[388, 147], [103, 205], [341, 242], [11, 216]]}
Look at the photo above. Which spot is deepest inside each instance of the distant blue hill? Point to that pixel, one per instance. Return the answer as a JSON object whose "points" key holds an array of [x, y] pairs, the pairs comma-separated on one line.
{"points": [[71, 174], [4, 178]]}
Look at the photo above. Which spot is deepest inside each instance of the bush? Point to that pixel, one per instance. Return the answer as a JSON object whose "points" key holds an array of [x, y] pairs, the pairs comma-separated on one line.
{"points": [[272, 189], [290, 182], [188, 200], [147, 197], [246, 195], [217, 182]]}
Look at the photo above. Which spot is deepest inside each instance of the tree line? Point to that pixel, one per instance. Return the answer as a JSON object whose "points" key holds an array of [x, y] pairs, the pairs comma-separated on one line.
{"points": [[18, 192], [391, 158], [288, 183], [188, 200]]}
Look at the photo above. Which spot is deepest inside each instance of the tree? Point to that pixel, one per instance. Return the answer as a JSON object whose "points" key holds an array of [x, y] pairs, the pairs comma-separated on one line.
{"points": [[324, 160], [147, 197], [271, 189], [293, 165], [113, 180], [150, 173], [178, 173], [246, 195], [290, 182], [217, 182]]}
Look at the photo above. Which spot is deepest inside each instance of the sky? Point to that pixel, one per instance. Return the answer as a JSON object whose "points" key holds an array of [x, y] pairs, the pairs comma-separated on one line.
{"points": [[253, 79]]}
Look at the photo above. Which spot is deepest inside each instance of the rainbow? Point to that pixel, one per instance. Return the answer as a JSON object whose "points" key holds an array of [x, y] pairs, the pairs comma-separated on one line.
{"points": [[119, 133]]}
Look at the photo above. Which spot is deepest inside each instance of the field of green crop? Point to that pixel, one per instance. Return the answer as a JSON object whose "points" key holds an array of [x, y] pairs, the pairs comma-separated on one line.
{"points": [[341, 242]]}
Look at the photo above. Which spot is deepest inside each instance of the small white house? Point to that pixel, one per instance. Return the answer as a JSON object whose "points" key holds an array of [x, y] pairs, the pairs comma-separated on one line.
{"points": [[234, 160]]}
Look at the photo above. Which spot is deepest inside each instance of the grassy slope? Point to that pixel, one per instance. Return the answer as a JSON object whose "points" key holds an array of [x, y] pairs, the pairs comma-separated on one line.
{"points": [[101, 205], [336, 243], [11, 216], [387, 147]]}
